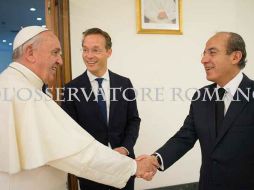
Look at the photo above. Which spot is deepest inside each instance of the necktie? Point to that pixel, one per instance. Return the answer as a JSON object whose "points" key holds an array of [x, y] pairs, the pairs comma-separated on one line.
{"points": [[101, 99], [219, 110]]}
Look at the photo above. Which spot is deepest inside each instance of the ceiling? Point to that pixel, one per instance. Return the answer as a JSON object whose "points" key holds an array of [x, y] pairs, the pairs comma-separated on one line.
{"points": [[15, 14]]}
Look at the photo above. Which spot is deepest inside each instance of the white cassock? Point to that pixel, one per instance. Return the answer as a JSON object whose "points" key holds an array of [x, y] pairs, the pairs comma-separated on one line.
{"points": [[152, 8], [40, 143]]}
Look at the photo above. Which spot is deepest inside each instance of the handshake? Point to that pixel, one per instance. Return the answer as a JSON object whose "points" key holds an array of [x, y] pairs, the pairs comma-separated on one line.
{"points": [[146, 167]]}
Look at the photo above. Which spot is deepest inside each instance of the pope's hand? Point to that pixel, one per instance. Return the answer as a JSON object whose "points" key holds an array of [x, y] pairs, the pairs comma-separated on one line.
{"points": [[146, 167]]}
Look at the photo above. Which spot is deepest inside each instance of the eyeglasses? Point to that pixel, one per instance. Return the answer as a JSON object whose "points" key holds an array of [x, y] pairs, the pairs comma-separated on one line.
{"points": [[95, 51]]}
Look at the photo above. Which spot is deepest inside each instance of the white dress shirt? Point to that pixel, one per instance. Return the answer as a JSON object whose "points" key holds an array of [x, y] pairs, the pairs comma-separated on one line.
{"points": [[231, 88], [105, 86]]}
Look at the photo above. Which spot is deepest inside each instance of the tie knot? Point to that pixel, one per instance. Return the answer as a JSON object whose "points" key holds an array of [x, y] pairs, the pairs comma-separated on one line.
{"points": [[221, 92], [99, 80]]}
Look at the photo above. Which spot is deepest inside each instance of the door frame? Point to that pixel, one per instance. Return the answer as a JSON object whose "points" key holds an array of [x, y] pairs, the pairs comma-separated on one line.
{"points": [[58, 20]]}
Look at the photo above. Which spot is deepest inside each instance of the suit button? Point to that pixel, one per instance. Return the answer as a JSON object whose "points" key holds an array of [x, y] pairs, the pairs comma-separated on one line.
{"points": [[215, 162]]}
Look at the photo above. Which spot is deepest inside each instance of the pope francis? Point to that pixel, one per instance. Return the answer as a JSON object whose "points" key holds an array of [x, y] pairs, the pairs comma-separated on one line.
{"points": [[40, 143]]}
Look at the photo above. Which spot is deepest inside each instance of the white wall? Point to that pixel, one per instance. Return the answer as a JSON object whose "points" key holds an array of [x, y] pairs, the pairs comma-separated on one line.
{"points": [[162, 61]]}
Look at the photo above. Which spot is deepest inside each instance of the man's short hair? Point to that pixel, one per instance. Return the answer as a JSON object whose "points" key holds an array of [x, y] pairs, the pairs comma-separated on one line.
{"points": [[236, 43], [99, 32]]}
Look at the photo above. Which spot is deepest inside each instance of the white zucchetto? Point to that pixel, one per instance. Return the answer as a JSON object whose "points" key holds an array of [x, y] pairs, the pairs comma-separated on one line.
{"points": [[26, 34]]}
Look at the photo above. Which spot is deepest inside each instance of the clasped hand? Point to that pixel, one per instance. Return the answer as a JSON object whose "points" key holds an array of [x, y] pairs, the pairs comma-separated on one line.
{"points": [[146, 167]]}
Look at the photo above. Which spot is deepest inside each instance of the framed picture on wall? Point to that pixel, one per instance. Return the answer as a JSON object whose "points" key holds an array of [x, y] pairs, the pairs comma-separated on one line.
{"points": [[159, 16]]}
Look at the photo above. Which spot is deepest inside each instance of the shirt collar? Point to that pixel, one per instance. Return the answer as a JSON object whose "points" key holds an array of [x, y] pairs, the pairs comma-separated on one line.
{"points": [[232, 85], [92, 77], [28, 74]]}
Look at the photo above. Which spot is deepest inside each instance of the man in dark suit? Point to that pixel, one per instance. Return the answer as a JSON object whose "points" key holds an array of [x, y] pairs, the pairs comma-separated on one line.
{"points": [[103, 102], [223, 125]]}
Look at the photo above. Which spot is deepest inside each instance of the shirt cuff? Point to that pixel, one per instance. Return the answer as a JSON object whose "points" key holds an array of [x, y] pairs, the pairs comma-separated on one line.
{"points": [[135, 168], [126, 150], [161, 165]]}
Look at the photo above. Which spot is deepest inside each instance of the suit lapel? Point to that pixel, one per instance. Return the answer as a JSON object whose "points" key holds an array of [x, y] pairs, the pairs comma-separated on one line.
{"points": [[114, 96], [235, 108], [88, 88]]}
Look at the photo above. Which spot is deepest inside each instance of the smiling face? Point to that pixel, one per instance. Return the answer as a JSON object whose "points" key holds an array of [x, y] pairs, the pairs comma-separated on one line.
{"points": [[220, 67], [47, 56], [95, 54]]}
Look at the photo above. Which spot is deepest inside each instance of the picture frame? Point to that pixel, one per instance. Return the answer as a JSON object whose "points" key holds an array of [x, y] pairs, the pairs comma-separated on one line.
{"points": [[159, 16]]}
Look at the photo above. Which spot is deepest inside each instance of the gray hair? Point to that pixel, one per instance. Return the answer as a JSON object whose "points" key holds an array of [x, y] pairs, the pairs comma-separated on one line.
{"points": [[236, 43], [18, 52]]}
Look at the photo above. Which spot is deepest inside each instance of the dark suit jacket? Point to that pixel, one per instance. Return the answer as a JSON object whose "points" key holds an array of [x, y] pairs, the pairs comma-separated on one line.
{"points": [[124, 121], [228, 159]]}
